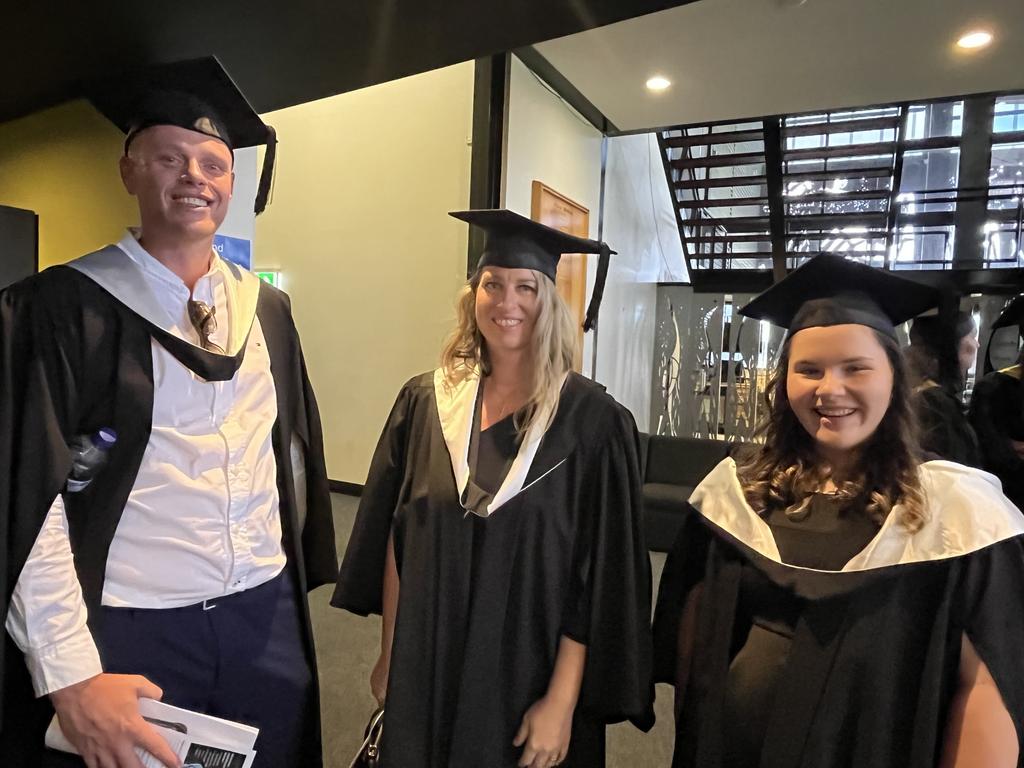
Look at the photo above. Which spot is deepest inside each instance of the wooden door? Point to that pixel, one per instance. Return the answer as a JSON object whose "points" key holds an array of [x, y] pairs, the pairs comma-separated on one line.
{"points": [[559, 212]]}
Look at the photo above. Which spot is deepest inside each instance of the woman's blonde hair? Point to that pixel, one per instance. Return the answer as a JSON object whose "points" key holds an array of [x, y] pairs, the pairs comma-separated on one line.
{"points": [[785, 472], [554, 347]]}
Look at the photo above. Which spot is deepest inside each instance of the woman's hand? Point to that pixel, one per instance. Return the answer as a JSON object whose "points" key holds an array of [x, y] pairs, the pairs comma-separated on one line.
{"points": [[379, 678], [545, 733]]}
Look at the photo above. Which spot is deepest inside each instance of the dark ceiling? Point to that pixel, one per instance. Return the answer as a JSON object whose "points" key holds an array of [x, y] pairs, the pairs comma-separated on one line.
{"points": [[280, 53]]}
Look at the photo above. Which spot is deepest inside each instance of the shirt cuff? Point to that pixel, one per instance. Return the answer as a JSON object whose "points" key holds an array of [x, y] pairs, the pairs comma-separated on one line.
{"points": [[59, 665]]}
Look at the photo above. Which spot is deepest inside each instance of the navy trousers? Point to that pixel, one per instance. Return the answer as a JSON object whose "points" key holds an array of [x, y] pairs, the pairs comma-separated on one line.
{"points": [[242, 657]]}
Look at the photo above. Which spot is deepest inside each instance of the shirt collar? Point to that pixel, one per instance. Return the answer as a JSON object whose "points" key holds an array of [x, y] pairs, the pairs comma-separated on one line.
{"points": [[155, 269]]}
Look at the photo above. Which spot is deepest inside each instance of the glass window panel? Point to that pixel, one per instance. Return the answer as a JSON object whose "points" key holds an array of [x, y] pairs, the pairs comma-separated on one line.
{"points": [[1007, 165], [855, 206], [739, 190], [736, 147], [927, 121], [862, 114], [926, 170], [800, 166], [1003, 247], [1009, 114], [923, 247], [861, 161], [805, 142], [737, 171]]}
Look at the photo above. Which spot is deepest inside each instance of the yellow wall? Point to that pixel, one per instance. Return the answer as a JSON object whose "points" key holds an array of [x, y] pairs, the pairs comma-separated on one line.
{"points": [[62, 164], [358, 227]]}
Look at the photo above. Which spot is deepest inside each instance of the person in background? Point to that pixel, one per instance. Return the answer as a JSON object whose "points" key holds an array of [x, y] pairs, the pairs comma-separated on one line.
{"points": [[945, 432], [997, 411], [831, 600], [180, 570], [500, 534]]}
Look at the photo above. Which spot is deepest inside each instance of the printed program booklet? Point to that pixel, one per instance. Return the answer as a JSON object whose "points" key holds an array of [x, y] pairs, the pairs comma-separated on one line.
{"points": [[201, 741]]}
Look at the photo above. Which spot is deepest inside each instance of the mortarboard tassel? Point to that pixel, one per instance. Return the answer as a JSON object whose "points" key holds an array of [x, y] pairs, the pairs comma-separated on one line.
{"points": [[604, 260], [267, 175]]}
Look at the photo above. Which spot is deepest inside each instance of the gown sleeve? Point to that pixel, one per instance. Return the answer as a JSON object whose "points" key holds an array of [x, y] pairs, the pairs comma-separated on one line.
{"points": [[609, 606], [993, 594], [991, 402], [360, 581], [38, 357], [318, 541], [682, 574], [945, 432]]}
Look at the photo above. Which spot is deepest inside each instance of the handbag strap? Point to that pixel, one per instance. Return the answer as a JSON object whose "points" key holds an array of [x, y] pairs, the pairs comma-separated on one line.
{"points": [[374, 729]]}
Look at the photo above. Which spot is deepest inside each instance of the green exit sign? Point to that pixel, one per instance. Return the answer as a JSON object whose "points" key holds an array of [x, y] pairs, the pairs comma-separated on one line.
{"points": [[271, 276]]}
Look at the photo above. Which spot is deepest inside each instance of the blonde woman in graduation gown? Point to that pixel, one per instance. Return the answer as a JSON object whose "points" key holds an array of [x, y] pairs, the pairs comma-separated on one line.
{"points": [[499, 534]]}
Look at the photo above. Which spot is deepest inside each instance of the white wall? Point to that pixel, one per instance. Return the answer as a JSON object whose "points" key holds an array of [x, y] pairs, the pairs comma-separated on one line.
{"points": [[549, 142], [640, 224], [359, 228], [241, 221]]}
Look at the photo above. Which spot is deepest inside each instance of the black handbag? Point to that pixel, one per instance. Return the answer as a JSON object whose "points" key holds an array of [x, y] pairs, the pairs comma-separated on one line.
{"points": [[368, 755]]}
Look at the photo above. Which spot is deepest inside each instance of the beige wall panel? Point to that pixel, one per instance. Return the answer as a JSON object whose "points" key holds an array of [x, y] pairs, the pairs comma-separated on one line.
{"points": [[359, 228]]}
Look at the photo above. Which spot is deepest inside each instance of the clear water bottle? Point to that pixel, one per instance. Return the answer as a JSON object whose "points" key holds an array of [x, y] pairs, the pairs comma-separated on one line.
{"points": [[88, 455]]}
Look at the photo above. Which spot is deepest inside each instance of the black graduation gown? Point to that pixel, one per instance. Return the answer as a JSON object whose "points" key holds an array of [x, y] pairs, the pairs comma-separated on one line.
{"points": [[73, 359], [997, 413], [945, 432], [476, 636], [868, 675]]}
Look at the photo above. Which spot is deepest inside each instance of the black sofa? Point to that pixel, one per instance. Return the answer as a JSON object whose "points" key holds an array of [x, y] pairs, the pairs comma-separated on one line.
{"points": [[673, 467]]}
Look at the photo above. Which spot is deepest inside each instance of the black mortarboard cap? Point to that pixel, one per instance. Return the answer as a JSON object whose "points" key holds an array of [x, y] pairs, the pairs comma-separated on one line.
{"points": [[514, 241], [197, 94], [832, 290], [929, 330]]}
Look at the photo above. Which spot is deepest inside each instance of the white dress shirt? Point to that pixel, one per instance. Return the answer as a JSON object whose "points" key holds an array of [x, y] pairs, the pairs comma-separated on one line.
{"points": [[202, 520]]}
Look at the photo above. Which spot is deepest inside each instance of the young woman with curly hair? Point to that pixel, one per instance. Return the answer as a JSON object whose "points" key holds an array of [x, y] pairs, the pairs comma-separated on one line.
{"points": [[832, 599]]}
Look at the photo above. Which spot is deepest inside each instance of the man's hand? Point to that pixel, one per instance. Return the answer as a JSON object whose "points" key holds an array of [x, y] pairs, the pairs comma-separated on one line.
{"points": [[545, 733], [100, 717]]}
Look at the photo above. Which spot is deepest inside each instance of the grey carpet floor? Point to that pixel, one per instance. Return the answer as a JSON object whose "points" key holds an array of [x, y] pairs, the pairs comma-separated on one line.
{"points": [[347, 647]]}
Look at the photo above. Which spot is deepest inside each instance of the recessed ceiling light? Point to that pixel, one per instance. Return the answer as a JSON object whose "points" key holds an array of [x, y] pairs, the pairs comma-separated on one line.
{"points": [[658, 83], [976, 38]]}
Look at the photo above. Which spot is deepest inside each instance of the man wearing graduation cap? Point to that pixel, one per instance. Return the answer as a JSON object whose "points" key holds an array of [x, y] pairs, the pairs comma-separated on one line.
{"points": [[832, 600], [181, 568], [997, 411]]}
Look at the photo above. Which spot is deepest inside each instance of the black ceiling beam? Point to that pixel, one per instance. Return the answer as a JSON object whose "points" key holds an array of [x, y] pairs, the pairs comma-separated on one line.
{"points": [[842, 126], [281, 54], [897, 180], [967, 281], [799, 223], [773, 154], [838, 197], [730, 280], [852, 173], [723, 181], [973, 172], [732, 223], [704, 139], [723, 202], [719, 161], [747, 119]]}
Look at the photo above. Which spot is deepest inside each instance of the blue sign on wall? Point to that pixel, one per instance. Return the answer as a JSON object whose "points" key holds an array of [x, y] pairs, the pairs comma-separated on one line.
{"points": [[234, 249]]}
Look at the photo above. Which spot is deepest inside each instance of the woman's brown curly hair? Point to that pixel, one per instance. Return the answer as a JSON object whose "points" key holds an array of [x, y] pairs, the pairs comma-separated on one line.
{"points": [[786, 471]]}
